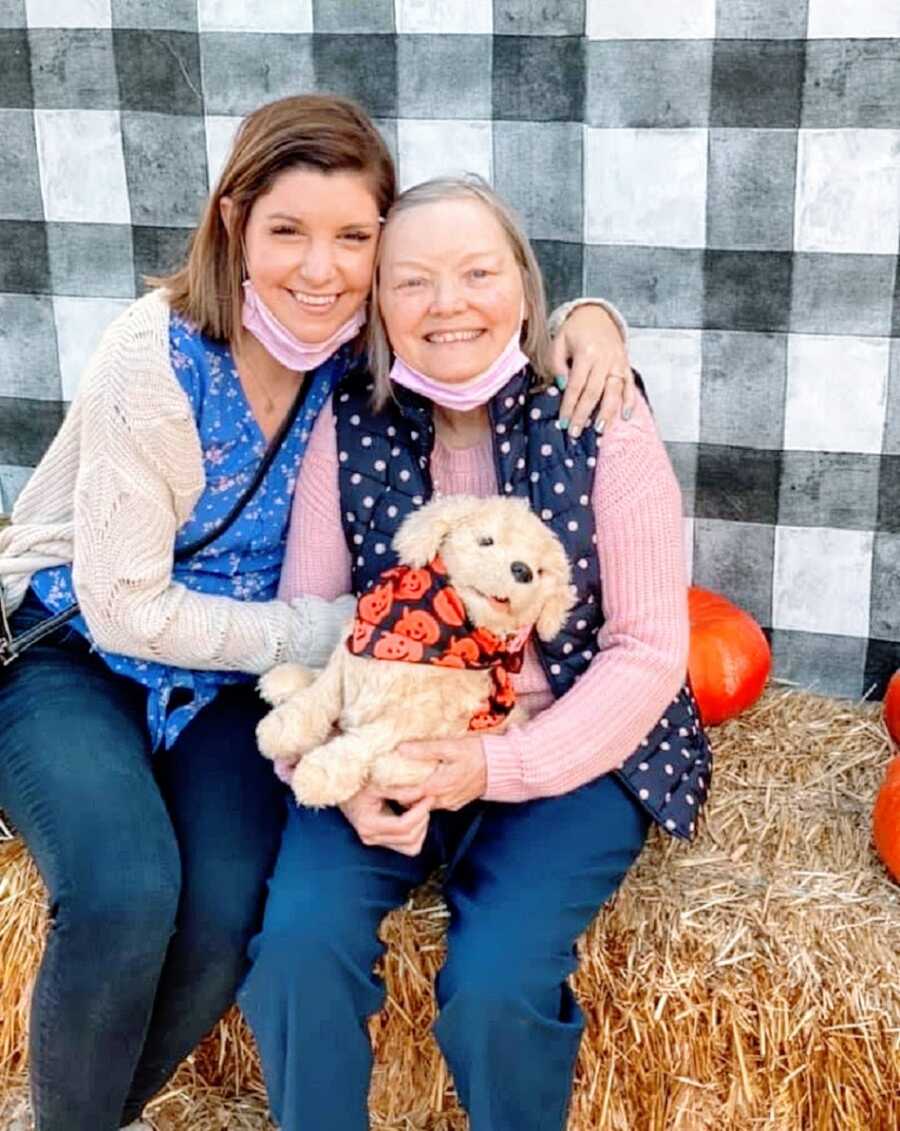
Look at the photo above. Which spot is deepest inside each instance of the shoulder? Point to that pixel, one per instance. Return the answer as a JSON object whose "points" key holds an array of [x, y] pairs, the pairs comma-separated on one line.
{"points": [[632, 461]]}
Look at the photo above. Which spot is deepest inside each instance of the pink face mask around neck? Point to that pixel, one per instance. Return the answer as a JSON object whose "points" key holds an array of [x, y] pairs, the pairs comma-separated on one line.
{"points": [[282, 344], [469, 394]]}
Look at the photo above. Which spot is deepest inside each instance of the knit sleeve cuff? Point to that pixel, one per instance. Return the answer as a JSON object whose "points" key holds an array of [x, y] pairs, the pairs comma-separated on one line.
{"points": [[504, 768], [561, 313]]}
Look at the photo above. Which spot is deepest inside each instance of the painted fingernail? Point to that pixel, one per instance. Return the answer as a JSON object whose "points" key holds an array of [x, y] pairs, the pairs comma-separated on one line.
{"points": [[599, 426], [564, 422], [575, 431], [561, 380], [626, 413]]}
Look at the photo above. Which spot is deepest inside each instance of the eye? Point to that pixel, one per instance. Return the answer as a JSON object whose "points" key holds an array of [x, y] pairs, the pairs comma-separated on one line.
{"points": [[485, 540], [478, 273], [284, 230], [357, 237], [410, 284]]}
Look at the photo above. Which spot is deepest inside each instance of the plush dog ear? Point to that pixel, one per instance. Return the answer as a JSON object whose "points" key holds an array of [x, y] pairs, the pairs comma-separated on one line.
{"points": [[420, 535], [555, 610]]}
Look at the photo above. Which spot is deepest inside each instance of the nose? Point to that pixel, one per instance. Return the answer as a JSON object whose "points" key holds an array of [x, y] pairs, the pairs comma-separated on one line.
{"points": [[521, 572], [317, 266], [446, 298]]}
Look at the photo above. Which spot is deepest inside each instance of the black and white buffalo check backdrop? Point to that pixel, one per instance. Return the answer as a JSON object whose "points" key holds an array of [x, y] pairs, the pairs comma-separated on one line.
{"points": [[725, 170]]}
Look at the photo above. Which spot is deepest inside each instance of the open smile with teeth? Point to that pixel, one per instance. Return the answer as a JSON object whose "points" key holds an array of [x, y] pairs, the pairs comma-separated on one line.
{"points": [[319, 302], [449, 337]]}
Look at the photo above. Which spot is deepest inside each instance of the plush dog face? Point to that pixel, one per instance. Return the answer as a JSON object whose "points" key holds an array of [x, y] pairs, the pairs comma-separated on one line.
{"points": [[508, 568]]}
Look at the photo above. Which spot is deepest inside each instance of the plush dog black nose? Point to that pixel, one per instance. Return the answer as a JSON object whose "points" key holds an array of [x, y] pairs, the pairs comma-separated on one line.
{"points": [[521, 572]]}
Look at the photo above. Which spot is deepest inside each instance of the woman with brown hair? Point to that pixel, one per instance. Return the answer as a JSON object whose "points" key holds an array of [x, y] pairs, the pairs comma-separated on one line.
{"points": [[127, 755]]}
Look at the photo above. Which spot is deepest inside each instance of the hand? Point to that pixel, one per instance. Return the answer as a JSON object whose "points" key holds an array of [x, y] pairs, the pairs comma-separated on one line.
{"points": [[600, 372], [377, 824], [459, 777]]}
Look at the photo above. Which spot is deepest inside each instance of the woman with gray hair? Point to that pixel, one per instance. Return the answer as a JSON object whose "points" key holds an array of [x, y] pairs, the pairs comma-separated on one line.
{"points": [[537, 826]]}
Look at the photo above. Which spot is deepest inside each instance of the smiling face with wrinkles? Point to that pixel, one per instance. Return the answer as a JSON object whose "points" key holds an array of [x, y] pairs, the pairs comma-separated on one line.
{"points": [[450, 290]]}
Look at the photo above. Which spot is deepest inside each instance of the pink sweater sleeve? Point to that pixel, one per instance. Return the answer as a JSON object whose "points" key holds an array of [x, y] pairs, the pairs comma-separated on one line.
{"points": [[643, 658], [316, 559]]}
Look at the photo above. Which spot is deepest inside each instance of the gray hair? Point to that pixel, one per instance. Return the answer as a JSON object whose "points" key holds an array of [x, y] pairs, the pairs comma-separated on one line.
{"points": [[535, 336]]}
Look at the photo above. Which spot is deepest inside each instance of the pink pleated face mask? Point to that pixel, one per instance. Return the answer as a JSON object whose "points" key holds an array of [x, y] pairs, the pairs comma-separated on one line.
{"points": [[465, 395], [284, 346]]}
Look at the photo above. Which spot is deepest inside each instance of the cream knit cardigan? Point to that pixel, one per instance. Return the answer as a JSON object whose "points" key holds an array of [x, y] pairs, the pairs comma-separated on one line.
{"points": [[120, 478]]}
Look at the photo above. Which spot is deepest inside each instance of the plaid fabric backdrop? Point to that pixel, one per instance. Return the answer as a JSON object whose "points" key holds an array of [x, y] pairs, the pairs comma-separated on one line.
{"points": [[727, 172]]}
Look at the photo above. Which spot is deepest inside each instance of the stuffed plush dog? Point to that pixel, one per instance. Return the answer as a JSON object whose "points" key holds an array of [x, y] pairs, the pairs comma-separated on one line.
{"points": [[429, 652]]}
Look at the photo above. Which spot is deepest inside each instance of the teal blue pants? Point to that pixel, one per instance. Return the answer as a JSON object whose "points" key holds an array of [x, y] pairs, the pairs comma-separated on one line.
{"points": [[521, 881]]}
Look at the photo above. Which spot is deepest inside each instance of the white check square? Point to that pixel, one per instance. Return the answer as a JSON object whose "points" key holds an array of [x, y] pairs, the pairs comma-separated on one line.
{"points": [[825, 373], [646, 187], [80, 322], [272, 15], [847, 195], [853, 19], [650, 19], [670, 362], [68, 13], [462, 17], [821, 580], [432, 148], [82, 166]]}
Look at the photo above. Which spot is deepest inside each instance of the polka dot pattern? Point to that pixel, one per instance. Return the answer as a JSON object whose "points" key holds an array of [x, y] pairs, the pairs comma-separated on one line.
{"points": [[386, 478]]}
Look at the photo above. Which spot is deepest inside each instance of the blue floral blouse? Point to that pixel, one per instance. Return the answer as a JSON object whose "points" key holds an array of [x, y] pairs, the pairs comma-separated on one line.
{"points": [[246, 562]]}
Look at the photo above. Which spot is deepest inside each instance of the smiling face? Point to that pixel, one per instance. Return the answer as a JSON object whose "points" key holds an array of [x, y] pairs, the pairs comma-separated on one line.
{"points": [[310, 246], [509, 569], [450, 289]]}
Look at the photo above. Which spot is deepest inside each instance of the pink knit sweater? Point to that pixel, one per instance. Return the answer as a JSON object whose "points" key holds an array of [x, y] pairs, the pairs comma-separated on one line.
{"points": [[643, 657]]}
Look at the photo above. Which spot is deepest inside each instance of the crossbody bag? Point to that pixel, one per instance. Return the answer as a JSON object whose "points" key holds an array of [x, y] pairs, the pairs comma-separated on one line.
{"points": [[12, 647]]}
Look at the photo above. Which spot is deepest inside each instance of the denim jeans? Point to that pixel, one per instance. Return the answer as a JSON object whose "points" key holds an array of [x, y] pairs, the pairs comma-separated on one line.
{"points": [[155, 867], [522, 882]]}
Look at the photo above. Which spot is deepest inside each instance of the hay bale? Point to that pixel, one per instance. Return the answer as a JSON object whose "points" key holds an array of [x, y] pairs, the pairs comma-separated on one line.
{"points": [[749, 980]]}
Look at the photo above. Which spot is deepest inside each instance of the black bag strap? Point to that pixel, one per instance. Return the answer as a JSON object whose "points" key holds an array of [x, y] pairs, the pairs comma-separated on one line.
{"points": [[12, 647]]}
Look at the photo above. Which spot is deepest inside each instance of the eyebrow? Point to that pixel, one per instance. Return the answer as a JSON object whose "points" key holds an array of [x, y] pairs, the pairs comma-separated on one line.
{"points": [[465, 259]]}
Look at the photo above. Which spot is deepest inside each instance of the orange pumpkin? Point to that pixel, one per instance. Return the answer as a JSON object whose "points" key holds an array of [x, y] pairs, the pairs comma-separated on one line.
{"points": [[417, 624], [729, 659], [393, 646], [892, 708], [886, 818]]}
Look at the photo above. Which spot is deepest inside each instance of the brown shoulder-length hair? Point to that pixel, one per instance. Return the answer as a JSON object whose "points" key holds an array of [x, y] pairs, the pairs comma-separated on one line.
{"points": [[320, 131], [535, 341]]}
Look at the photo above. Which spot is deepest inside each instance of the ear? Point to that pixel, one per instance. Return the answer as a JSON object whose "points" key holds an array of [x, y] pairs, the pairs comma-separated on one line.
{"points": [[226, 210], [420, 535], [556, 608]]}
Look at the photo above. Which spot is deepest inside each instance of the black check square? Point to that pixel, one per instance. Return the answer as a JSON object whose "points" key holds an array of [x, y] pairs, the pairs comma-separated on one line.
{"points": [[159, 71], [539, 17], [92, 260], [562, 265], [884, 611], [825, 663], [742, 388], [882, 660], [28, 331], [73, 68], [528, 159], [747, 290], [26, 428], [853, 82], [539, 79], [15, 73], [736, 558], [757, 83], [750, 195], [20, 182], [444, 76], [661, 84], [352, 17], [842, 294], [833, 489], [240, 72], [737, 484], [24, 264], [889, 495], [683, 457], [653, 286], [165, 165], [363, 67], [157, 251]]}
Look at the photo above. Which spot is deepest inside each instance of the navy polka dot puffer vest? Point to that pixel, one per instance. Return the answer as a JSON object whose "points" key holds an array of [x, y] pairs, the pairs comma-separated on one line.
{"points": [[384, 460]]}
